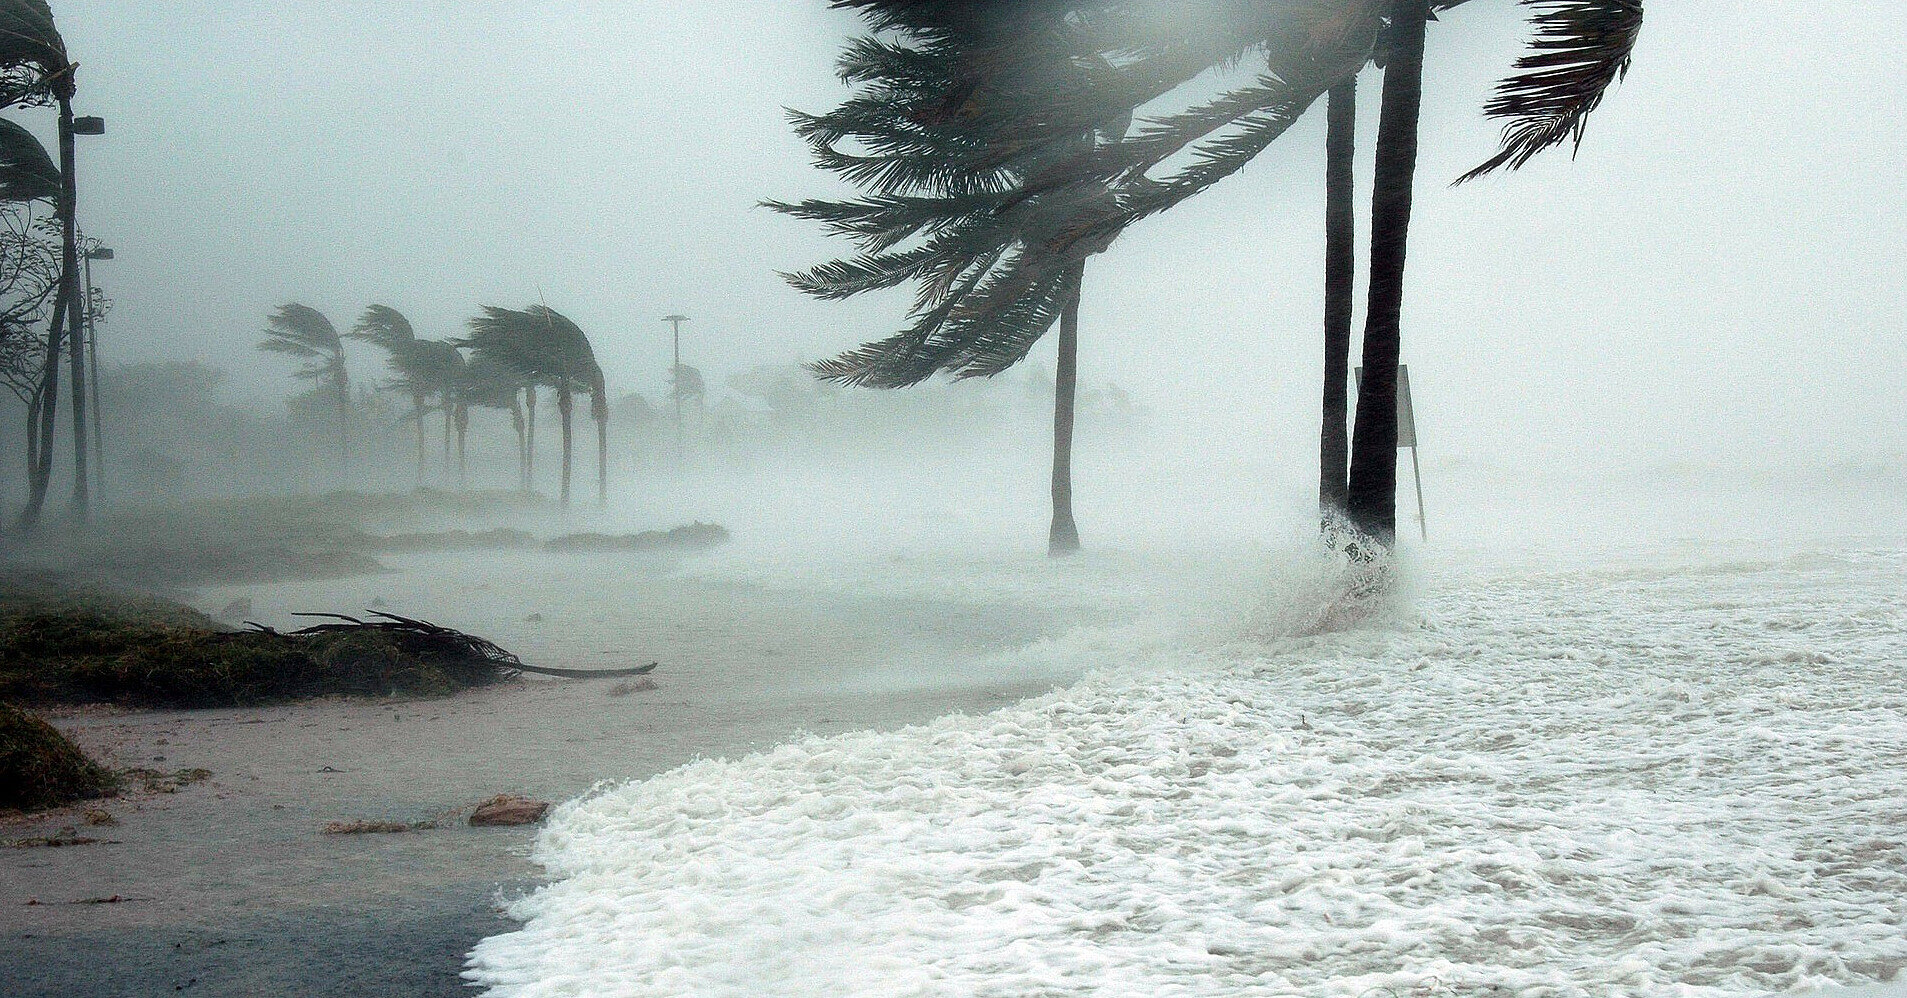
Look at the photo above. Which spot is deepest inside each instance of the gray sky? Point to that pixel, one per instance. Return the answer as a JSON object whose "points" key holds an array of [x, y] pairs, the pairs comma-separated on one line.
{"points": [[1717, 276]]}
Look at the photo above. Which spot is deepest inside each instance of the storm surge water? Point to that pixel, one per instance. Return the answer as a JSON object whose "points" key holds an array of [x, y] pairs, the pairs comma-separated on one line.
{"points": [[1679, 778]]}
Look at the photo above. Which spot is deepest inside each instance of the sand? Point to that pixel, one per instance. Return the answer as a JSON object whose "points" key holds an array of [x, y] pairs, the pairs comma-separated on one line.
{"points": [[229, 887]]}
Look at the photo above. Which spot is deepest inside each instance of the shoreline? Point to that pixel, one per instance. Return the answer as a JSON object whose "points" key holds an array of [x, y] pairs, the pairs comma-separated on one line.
{"points": [[229, 886]]}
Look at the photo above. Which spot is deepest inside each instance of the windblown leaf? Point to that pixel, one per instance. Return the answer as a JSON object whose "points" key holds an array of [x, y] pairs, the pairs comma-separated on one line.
{"points": [[1582, 48]]}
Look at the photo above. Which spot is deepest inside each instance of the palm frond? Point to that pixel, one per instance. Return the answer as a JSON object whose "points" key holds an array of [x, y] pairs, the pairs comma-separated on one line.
{"points": [[27, 172], [33, 60], [384, 326], [1582, 48], [301, 331], [538, 341]]}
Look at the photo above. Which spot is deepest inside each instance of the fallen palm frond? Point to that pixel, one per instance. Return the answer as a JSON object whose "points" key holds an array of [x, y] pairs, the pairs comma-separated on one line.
{"points": [[427, 640]]}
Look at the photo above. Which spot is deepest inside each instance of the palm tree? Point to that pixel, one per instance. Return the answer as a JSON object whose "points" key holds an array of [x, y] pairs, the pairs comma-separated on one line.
{"points": [[1340, 286], [303, 332], [549, 350], [27, 175], [388, 329], [991, 245], [935, 158], [438, 367], [489, 384], [27, 172], [35, 71]]}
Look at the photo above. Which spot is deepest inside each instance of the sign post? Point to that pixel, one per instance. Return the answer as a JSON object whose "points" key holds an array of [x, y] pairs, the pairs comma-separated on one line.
{"points": [[1407, 437]]}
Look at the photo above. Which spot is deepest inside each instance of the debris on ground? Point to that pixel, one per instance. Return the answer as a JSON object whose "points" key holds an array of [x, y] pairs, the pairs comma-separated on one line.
{"points": [[376, 827], [81, 655], [508, 809], [67, 836], [156, 781], [41, 768], [639, 685]]}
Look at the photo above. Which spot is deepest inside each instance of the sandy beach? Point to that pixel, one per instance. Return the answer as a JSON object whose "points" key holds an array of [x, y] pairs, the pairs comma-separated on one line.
{"points": [[228, 887]]}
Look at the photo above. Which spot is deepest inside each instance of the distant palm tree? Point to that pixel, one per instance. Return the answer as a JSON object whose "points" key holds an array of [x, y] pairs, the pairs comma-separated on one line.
{"points": [[387, 328], [549, 350], [438, 366], [489, 384], [303, 332]]}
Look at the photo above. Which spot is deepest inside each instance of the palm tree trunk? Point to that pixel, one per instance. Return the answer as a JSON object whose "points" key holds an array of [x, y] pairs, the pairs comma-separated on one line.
{"points": [[69, 278], [48, 399], [1063, 537], [565, 406], [417, 407], [341, 388], [516, 423], [529, 451], [463, 425], [1340, 288], [602, 461], [1372, 503], [450, 419]]}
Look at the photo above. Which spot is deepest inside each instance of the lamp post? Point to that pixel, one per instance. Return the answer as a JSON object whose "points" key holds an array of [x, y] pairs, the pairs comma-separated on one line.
{"points": [[675, 379], [71, 126], [92, 362]]}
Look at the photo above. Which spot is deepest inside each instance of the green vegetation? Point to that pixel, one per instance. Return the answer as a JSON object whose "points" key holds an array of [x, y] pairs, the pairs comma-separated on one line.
{"points": [[40, 768], [84, 645], [688, 537]]}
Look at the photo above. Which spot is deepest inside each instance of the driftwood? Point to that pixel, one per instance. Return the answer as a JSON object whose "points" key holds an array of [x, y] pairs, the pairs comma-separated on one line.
{"points": [[448, 643]]}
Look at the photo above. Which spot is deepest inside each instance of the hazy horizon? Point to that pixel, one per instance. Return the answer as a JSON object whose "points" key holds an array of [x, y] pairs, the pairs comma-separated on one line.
{"points": [[1713, 281]]}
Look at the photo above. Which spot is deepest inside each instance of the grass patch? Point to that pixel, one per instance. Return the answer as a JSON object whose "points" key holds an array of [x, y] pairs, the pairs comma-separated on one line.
{"points": [[688, 537], [41, 768], [91, 645], [502, 538], [261, 538], [89, 658]]}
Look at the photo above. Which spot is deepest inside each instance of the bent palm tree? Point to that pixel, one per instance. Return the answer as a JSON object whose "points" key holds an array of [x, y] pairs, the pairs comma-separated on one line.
{"points": [[991, 246], [489, 384], [437, 366], [549, 350], [934, 156], [35, 71], [389, 330], [304, 333]]}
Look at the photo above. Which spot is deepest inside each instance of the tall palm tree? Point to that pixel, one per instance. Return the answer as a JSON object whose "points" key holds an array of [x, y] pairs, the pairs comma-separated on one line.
{"points": [[27, 175], [1340, 287], [303, 332], [549, 350], [35, 71], [992, 248], [934, 158]]}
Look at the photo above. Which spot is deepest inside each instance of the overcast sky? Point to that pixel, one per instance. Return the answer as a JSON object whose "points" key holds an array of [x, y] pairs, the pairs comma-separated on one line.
{"points": [[1718, 275]]}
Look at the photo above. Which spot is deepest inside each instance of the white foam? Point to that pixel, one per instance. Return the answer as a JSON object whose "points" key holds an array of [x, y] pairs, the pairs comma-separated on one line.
{"points": [[1662, 783]]}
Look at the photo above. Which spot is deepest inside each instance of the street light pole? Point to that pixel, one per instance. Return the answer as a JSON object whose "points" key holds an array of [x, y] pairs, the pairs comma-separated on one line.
{"points": [[675, 379], [92, 362]]}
